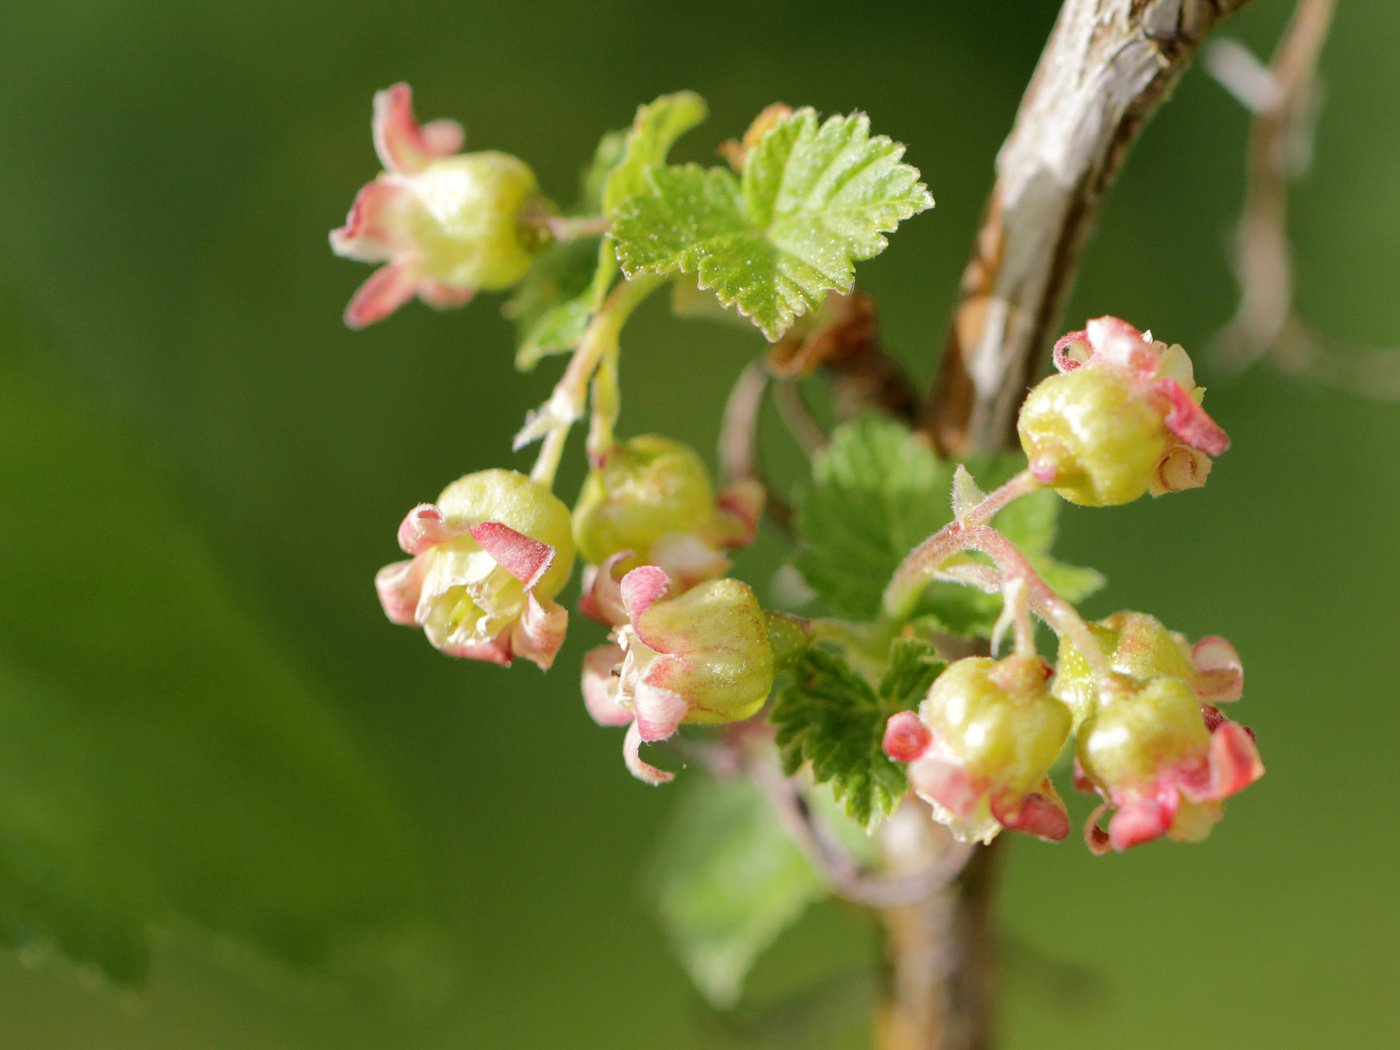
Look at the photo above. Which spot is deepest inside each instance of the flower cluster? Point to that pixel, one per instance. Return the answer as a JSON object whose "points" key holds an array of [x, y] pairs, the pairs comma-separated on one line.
{"points": [[444, 223], [1123, 418], [1149, 739]]}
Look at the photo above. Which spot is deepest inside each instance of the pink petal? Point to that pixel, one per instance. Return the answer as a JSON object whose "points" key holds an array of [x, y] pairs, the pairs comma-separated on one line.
{"points": [[401, 143], [659, 711], [388, 288], [1189, 421], [1116, 340], [399, 586], [540, 631], [444, 296], [1071, 351], [906, 737], [1038, 814], [642, 587], [424, 527], [598, 691], [631, 754], [376, 228], [525, 559], [1219, 671]]}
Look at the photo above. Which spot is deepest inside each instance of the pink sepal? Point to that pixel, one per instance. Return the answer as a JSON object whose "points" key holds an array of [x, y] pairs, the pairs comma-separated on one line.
{"points": [[1234, 764], [602, 594], [525, 559], [399, 586], [1116, 340], [642, 587], [374, 231], [1065, 355], [402, 144], [1189, 421], [1143, 819], [442, 296], [424, 527], [1219, 671], [496, 651], [540, 631], [631, 755], [906, 737], [598, 690], [388, 288], [659, 711], [1041, 814], [687, 560], [946, 784]]}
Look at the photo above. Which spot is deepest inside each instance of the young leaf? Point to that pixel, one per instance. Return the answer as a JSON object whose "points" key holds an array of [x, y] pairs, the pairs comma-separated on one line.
{"points": [[876, 492], [727, 881], [831, 718], [813, 200]]}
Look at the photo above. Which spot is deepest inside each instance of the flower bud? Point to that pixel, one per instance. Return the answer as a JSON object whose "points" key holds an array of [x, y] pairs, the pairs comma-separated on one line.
{"points": [[1138, 646], [701, 657], [651, 497], [1149, 751], [982, 745], [446, 224], [1123, 418], [488, 559]]}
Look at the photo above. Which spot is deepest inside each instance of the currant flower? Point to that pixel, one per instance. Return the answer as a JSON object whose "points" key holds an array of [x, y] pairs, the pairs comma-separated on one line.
{"points": [[488, 559], [1123, 418], [445, 224], [702, 657], [1163, 761], [981, 746], [651, 497], [1139, 646]]}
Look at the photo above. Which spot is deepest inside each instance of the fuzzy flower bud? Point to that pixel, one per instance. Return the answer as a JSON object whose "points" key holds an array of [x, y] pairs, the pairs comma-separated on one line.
{"points": [[1139, 646], [445, 224], [488, 559], [702, 657], [1162, 762], [981, 746], [651, 497], [1124, 418]]}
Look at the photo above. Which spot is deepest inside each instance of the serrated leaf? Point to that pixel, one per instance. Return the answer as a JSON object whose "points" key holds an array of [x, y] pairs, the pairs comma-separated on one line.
{"points": [[727, 881], [161, 758], [656, 127], [813, 200], [832, 719], [876, 492]]}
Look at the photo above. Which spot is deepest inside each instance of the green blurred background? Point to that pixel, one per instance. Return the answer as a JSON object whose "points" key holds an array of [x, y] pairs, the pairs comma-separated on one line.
{"points": [[337, 838]]}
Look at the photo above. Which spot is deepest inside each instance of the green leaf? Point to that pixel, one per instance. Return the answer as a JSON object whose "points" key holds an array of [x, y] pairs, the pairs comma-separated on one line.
{"points": [[727, 881], [813, 200], [554, 303], [831, 718], [876, 492], [568, 282], [162, 760]]}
